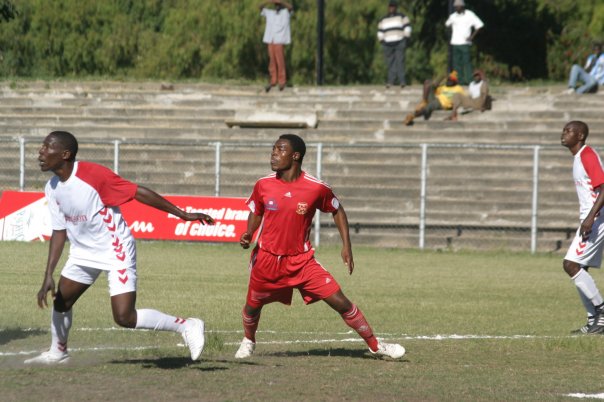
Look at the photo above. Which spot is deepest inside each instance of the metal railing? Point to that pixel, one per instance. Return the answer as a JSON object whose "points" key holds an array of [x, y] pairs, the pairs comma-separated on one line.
{"points": [[222, 148]]}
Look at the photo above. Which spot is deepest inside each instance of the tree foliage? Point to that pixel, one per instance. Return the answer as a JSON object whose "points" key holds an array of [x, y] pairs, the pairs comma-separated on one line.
{"points": [[207, 39]]}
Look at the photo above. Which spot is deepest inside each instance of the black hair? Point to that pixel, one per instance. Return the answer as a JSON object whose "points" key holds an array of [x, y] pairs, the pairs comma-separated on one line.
{"points": [[296, 142], [580, 126], [68, 141]]}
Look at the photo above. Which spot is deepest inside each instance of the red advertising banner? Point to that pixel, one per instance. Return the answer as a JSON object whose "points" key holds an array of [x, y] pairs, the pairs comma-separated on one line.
{"points": [[24, 216]]}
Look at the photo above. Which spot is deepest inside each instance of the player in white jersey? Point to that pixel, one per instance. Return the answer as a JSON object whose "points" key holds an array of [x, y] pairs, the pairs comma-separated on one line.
{"points": [[84, 200], [586, 248]]}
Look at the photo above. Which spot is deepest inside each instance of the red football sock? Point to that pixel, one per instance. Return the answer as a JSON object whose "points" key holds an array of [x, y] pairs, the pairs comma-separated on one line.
{"points": [[356, 320], [250, 325]]}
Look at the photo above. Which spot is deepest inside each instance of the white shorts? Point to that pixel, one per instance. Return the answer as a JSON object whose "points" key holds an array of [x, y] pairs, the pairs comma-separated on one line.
{"points": [[588, 253], [120, 280]]}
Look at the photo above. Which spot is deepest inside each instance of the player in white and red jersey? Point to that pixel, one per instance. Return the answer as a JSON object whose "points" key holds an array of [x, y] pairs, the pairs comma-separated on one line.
{"points": [[84, 200], [586, 248], [283, 260]]}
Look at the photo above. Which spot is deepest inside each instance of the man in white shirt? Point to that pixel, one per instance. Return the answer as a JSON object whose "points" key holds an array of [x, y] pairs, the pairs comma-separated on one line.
{"points": [[84, 199], [276, 35], [465, 25]]}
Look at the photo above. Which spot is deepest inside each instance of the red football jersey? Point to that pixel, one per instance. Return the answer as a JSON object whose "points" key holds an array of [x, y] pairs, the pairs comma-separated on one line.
{"points": [[288, 210]]}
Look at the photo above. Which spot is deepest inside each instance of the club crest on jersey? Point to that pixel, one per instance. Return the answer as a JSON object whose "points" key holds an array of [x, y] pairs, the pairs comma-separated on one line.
{"points": [[271, 204], [302, 208]]}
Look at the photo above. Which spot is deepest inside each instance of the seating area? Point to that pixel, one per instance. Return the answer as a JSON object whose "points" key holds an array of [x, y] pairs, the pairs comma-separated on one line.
{"points": [[479, 171]]}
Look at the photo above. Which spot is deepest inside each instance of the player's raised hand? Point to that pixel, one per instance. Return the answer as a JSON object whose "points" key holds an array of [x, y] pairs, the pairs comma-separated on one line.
{"points": [[47, 286]]}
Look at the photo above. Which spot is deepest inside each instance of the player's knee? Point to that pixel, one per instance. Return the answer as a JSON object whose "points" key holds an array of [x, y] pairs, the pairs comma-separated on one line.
{"points": [[61, 305], [126, 319], [570, 267]]}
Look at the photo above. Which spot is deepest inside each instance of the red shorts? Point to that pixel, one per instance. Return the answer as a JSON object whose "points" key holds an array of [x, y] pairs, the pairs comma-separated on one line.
{"points": [[273, 278]]}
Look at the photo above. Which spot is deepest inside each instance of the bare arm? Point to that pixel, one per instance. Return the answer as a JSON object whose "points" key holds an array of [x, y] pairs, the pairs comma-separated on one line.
{"points": [[151, 198], [266, 3], [286, 5], [341, 221], [471, 38], [55, 249], [588, 222], [253, 223]]}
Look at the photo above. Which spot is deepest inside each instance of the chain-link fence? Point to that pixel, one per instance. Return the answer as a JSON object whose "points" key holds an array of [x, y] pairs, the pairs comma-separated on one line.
{"points": [[428, 196]]}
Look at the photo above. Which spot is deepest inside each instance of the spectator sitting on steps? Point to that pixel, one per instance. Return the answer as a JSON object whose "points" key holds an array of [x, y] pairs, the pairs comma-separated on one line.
{"points": [[477, 98], [592, 74], [436, 97]]}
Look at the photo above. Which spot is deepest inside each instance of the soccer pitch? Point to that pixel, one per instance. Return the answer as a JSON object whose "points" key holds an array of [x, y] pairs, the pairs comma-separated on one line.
{"points": [[476, 326]]}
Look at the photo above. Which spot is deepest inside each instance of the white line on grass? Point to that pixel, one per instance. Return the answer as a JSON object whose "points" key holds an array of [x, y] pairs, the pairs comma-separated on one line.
{"points": [[587, 396], [437, 337]]}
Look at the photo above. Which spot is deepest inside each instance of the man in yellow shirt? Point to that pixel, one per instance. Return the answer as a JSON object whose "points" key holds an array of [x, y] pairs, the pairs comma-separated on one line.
{"points": [[436, 97]]}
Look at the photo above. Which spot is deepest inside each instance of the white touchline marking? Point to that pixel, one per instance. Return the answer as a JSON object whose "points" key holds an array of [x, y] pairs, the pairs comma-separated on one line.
{"points": [[586, 396], [391, 337], [437, 337]]}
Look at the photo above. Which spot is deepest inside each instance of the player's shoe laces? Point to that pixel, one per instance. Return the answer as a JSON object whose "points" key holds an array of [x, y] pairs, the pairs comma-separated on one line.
{"points": [[49, 358], [584, 328], [392, 350], [598, 325], [194, 336], [246, 349]]}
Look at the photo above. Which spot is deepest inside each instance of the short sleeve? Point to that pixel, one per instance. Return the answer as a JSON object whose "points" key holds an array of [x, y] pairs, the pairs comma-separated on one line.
{"points": [[113, 189], [254, 202], [593, 167], [328, 200]]}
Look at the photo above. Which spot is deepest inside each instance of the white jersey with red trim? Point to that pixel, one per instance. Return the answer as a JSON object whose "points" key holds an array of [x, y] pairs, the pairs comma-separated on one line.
{"points": [[588, 176], [87, 206]]}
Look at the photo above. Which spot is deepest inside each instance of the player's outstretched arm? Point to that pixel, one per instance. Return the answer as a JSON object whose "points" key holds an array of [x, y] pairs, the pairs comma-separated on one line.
{"points": [[253, 223], [55, 249], [341, 221], [151, 198]]}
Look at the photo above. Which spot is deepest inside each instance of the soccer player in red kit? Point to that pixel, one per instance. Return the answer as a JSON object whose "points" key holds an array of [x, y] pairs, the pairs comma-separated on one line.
{"points": [[84, 200], [284, 203]]}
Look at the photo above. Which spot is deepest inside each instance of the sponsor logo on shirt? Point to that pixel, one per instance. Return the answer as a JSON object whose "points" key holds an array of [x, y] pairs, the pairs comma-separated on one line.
{"points": [[288, 195], [271, 204], [302, 208], [76, 219]]}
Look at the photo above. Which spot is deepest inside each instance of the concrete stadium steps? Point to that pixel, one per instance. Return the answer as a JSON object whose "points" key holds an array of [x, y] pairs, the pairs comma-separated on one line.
{"points": [[378, 184]]}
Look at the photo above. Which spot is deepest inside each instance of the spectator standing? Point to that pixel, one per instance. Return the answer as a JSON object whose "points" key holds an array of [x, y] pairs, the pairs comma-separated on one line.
{"points": [[394, 29], [592, 74], [464, 25], [277, 34]]}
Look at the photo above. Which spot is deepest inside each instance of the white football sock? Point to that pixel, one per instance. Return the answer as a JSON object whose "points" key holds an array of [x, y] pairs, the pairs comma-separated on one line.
{"points": [[158, 321], [589, 306], [586, 285], [60, 323]]}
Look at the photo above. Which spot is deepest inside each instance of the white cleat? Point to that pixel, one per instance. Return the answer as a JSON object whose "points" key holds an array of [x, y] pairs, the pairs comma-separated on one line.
{"points": [[246, 349], [392, 350], [194, 336], [49, 358]]}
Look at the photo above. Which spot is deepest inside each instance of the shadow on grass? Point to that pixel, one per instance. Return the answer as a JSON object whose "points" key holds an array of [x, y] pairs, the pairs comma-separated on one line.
{"points": [[172, 363], [339, 352], [10, 334]]}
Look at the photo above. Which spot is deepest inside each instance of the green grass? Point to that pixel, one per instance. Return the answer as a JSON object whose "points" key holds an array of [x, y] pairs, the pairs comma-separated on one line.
{"points": [[307, 352]]}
